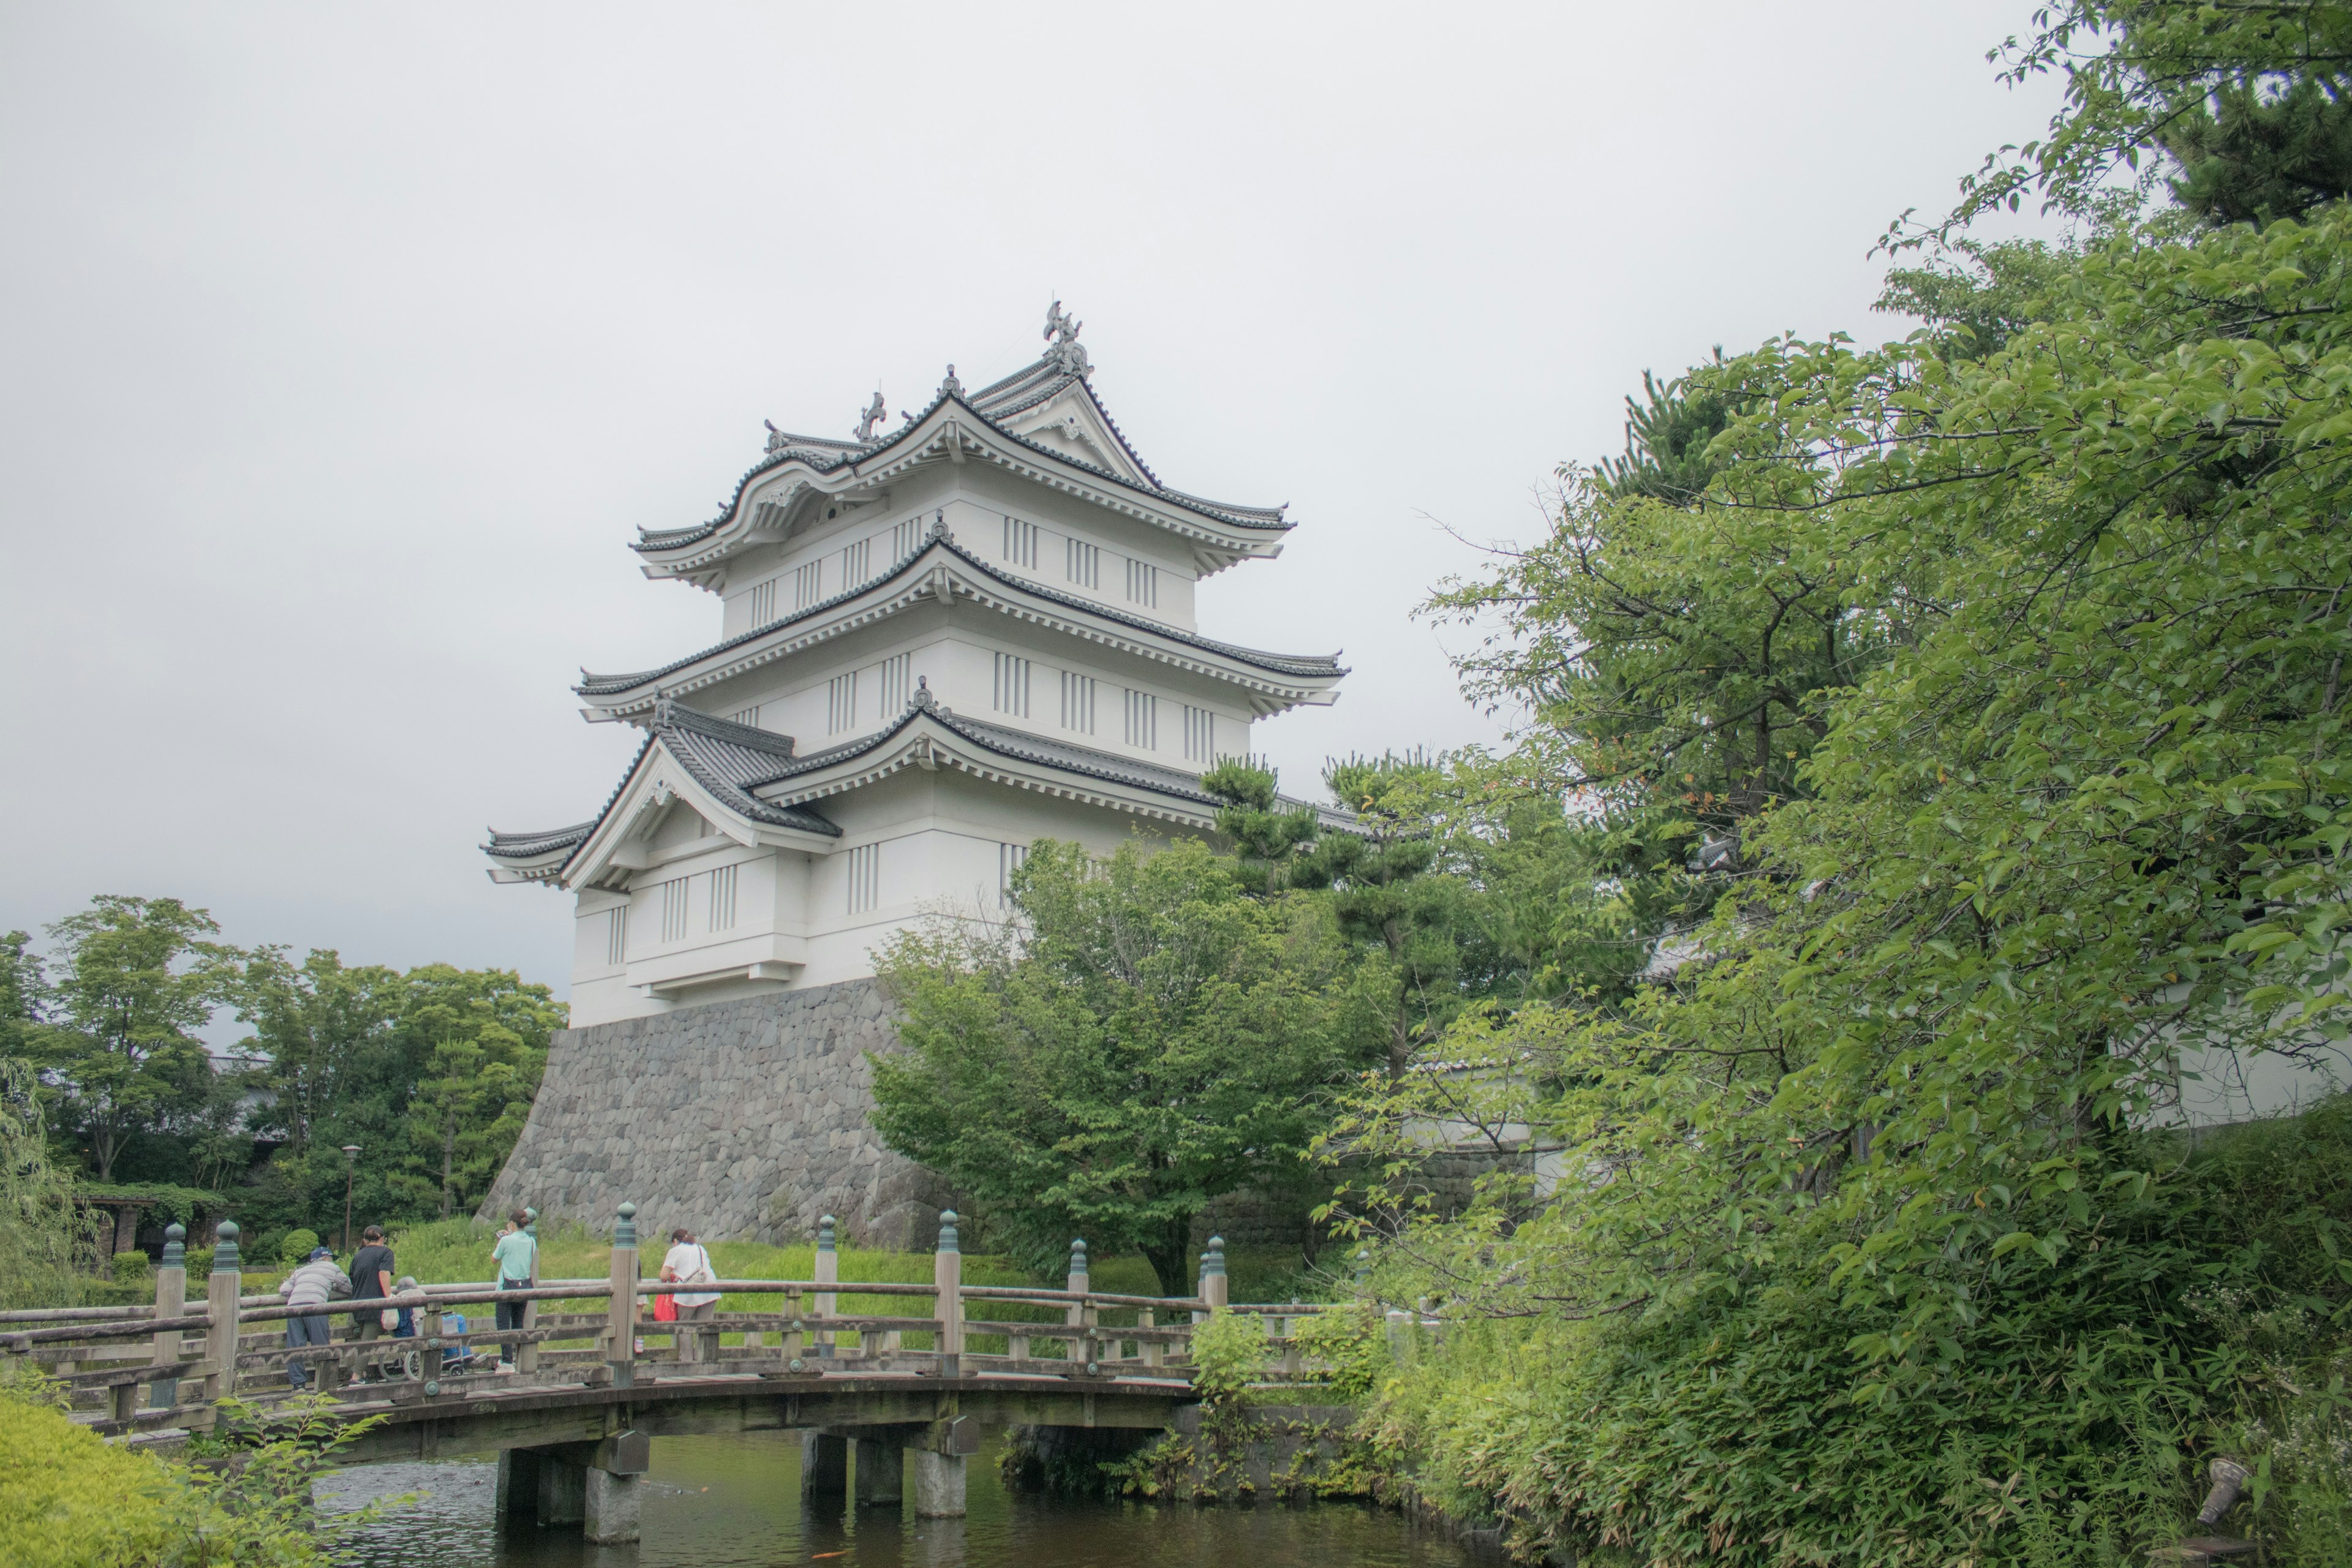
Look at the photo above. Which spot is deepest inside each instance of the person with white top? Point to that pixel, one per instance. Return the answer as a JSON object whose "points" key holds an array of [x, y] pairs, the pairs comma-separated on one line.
{"points": [[687, 1264]]}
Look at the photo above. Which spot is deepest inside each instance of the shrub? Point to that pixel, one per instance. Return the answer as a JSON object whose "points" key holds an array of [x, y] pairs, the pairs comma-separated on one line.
{"points": [[296, 1246]]}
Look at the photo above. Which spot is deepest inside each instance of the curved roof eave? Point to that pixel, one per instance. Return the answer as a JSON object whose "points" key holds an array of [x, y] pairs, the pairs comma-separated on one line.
{"points": [[846, 465], [1307, 671]]}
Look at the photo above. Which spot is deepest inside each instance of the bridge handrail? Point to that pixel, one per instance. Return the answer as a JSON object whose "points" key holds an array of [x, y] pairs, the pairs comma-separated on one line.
{"points": [[1073, 1337]]}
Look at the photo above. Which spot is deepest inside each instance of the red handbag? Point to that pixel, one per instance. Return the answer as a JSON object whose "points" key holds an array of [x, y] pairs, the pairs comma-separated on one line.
{"points": [[665, 1308]]}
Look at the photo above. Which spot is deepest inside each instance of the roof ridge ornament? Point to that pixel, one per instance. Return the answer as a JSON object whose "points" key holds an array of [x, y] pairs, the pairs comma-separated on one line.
{"points": [[939, 529], [1066, 352], [922, 700], [876, 412], [775, 436], [951, 387]]}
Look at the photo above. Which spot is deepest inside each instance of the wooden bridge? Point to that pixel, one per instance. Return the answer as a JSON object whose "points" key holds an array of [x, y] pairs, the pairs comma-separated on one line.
{"points": [[572, 1425]]}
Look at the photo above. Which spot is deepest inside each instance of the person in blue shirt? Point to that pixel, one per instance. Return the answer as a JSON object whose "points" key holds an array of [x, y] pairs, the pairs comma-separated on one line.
{"points": [[517, 1256]]}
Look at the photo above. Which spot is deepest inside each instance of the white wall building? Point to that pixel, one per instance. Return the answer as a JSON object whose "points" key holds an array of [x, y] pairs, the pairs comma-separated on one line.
{"points": [[937, 646]]}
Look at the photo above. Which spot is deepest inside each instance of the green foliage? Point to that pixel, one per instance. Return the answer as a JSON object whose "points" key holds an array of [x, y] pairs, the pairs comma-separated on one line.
{"points": [[45, 1237], [1667, 435], [1229, 1353], [69, 1499], [430, 1072], [1147, 1038], [1346, 1349], [2247, 100], [2064, 1421], [296, 1246], [136, 979]]}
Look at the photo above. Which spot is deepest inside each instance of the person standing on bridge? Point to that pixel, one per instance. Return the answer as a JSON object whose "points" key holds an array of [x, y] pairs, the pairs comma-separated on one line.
{"points": [[310, 1285], [688, 1264], [372, 1272], [516, 1254]]}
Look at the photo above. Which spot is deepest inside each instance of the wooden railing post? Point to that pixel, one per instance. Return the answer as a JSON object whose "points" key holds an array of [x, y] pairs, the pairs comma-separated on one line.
{"points": [[828, 1269], [947, 1274], [429, 1360], [526, 1353], [1081, 1281], [1147, 1318], [221, 1291], [1213, 1274], [1294, 1363], [170, 1300], [621, 1324]]}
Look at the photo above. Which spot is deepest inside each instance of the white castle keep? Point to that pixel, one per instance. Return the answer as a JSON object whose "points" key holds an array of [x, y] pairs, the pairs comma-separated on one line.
{"points": [[937, 646]]}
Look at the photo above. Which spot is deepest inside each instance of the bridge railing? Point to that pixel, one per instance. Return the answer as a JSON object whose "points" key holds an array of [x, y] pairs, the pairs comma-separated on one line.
{"points": [[193, 1355]]}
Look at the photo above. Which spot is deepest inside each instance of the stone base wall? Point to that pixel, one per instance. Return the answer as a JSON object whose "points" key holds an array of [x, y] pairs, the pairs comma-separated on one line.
{"points": [[741, 1120]]}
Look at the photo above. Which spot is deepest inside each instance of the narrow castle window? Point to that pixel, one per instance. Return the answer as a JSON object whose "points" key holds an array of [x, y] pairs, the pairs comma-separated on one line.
{"points": [[897, 683], [1143, 584], [1143, 720], [1012, 685], [722, 899], [865, 878], [673, 907], [1200, 734], [1078, 702], [1082, 564], [1021, 543], [841, 703]]}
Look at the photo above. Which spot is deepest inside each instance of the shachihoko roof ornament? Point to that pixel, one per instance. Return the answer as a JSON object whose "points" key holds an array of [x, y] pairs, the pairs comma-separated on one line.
{"points": [[1068, 355], [867, 422]]}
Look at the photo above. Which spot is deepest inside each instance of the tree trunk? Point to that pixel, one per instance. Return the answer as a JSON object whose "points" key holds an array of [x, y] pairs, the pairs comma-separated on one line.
{"points": [[1169, 1257], [104, 1145]]}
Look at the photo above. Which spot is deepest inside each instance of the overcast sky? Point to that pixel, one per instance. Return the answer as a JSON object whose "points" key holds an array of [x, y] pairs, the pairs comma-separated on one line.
{"points": [[343, 350]]}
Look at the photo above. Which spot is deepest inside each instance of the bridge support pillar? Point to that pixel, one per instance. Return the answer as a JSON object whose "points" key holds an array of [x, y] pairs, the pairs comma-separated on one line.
{"points": [[563, 1490], [825, 1465], [613, 1505], [881, 1475], [939, 1484], [518, 1482]]}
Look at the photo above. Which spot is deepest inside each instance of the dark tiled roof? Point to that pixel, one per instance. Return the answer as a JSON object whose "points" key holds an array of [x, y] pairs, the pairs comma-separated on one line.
{"points": [[1309, 666], [1027, 746], [1023, 389], [722, 755], [529, 846]]}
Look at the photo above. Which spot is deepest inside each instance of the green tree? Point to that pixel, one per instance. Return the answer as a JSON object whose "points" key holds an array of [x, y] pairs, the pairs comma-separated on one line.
{"points": [[483, 1035], [322, 1031], [24, 991], [136, 979], [1146, 1038], [45, 1237]]}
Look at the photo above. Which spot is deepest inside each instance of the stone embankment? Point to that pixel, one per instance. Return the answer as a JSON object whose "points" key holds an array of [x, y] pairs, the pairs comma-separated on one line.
{"points": [[743, 1118]]}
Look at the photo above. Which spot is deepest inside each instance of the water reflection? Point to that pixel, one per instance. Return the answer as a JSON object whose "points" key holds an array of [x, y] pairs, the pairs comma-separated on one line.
{"points": [[734, 1502]]}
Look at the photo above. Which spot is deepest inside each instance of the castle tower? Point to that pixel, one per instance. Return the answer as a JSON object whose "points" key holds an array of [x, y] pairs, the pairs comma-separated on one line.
{"points": [[936, 644]]}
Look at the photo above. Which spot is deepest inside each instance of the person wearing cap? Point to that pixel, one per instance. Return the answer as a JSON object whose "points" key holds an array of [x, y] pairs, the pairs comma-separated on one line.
{"points": [[312, 1285]]}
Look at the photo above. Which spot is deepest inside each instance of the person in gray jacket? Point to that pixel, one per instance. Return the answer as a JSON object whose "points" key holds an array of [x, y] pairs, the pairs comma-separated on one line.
{"points": [[312, 1285]]}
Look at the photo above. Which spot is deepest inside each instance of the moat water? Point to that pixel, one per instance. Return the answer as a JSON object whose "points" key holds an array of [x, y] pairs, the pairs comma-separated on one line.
{"points": [[735, 1502]]}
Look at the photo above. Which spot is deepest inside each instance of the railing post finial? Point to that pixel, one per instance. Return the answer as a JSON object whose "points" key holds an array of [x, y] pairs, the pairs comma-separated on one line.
{"points": [[175, 1251], [1213, 1273], [948, 1231], [624, 1227], [224, 1245], [826, 1238], [1363, 1267], [530, 1222], [1079, 1255]]}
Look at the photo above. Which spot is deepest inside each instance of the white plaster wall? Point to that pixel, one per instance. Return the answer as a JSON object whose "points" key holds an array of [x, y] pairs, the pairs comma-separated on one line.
{"points": [[941, 839]]}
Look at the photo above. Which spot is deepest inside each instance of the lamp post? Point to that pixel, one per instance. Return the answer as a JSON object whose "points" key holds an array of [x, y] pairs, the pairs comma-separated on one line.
{"points": [[351, 1168]]}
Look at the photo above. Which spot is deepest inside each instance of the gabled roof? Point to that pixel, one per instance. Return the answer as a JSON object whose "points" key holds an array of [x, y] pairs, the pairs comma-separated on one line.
{"points": [[720, 756], [833, 466], [758, 775], [904, 580]]}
